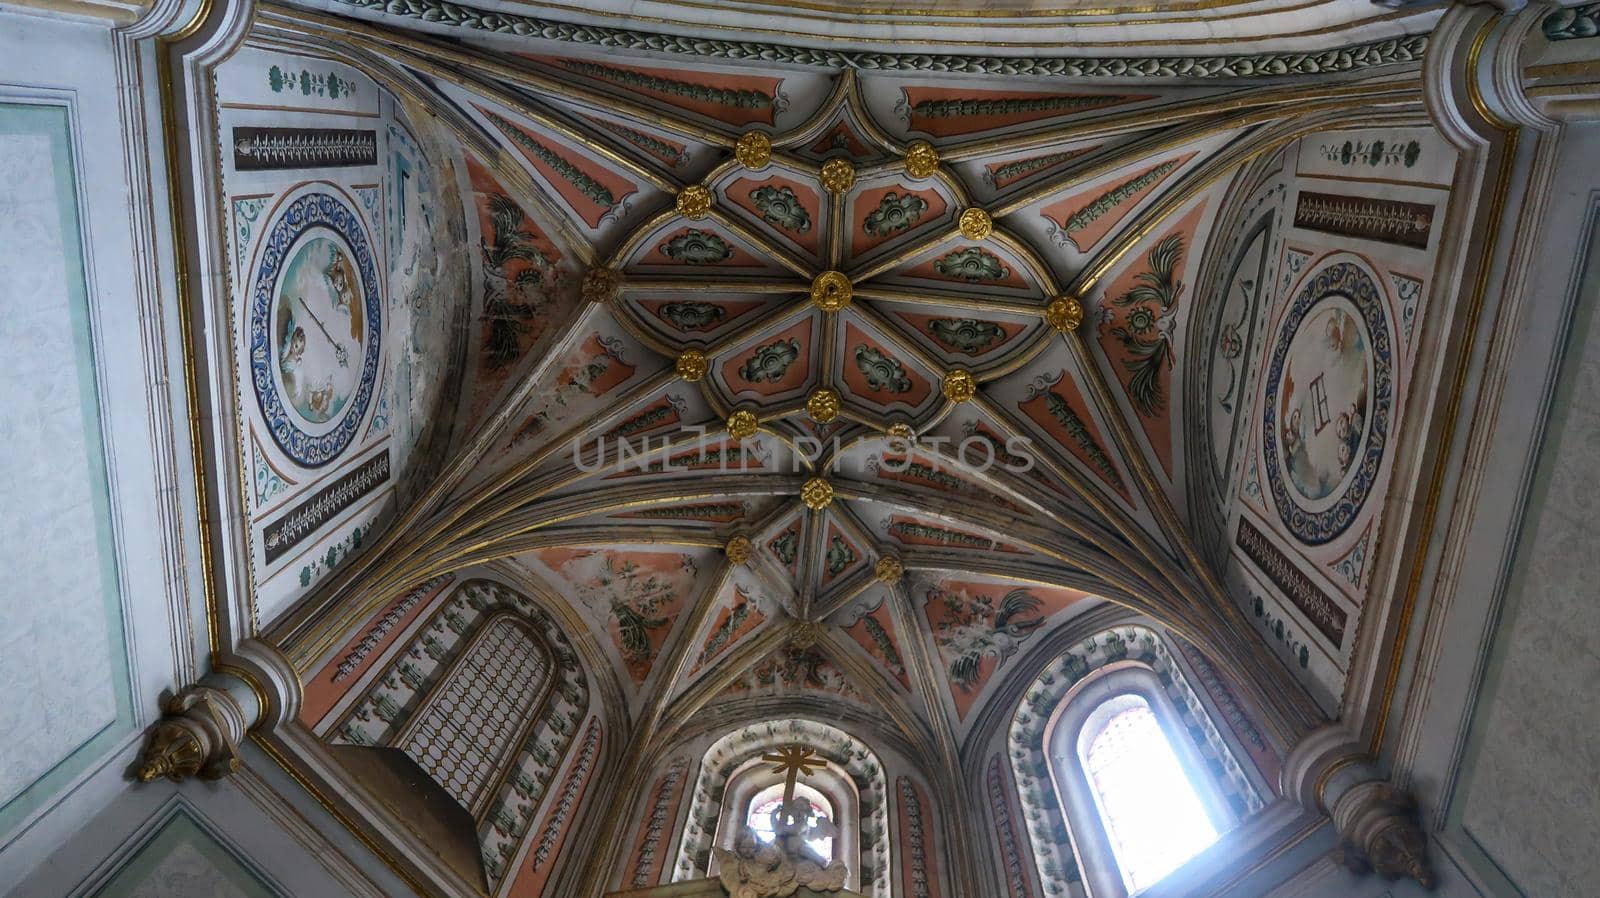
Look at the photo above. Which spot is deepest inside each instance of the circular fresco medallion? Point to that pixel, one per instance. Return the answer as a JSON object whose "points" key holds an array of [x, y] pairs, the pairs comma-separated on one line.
{"points": [[315, 322], [1330, 387]]}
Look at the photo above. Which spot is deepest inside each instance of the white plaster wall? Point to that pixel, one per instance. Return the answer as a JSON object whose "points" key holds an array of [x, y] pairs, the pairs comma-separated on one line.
{"points": [[96, 626], [1532, 797], [259, 819]]}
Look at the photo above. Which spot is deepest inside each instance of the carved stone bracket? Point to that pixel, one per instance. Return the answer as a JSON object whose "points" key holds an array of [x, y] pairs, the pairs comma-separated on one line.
{"points": [[1379, 834], [198, 735], [201, 727], [1378, 825]]}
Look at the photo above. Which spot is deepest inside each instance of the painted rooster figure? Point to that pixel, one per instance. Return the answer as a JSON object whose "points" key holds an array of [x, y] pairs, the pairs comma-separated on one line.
{"points": [[999, 637]]}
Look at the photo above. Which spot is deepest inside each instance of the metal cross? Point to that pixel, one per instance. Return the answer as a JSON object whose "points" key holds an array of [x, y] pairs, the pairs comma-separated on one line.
{"points": [[793, 761]]}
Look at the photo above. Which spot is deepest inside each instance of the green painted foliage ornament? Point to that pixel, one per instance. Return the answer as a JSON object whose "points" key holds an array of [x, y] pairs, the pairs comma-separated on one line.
{"points": [[781, 207], [881, 371], [895, 213], [697, 247], [967, 335], [771, 361], [972, 264]]}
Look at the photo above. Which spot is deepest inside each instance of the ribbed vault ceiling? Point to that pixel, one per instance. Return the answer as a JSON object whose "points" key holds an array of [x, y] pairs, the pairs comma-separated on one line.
{"points": [[744, 326]]}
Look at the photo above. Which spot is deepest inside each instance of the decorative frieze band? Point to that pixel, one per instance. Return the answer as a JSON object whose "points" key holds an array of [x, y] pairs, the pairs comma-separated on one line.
{"points": [[1366, 218], [264, 149], [375, 634], [324, 505], [1395, 51], [1327, 616]]}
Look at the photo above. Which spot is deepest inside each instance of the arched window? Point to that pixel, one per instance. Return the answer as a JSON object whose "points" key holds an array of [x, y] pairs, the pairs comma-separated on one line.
{"points": [[754, 791], [735, 789], [1151, 811], [1120, 773], [763, 803]]}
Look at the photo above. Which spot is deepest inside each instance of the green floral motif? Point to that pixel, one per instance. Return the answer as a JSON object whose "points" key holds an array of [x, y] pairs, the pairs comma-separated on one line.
{"points": [[885, 645], [1021, 168], [591, 189], [770, 362], [881, 371], [636, 608], [1145, 331], [510, 303], [719, 638], [966, 335], [311, 85], [786, 546], [1079, 433], [1373, 153], [940, 534], [697, 247], [895, 213], [965, 108], [1281, 631], [928, 474], [642, 422], [735, 98], [1116, 196], [972, 264], [655, 146], [781, 207], [840, 556], [692, 316], [337, 554]]}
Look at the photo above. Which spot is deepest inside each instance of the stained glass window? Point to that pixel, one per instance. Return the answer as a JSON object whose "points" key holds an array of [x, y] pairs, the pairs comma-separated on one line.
{"points": [[1152, 813]]}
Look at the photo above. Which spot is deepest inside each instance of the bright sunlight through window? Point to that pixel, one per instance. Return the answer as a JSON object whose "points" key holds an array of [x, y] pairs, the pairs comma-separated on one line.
{"points": [[1152, 813], [767, 800]]}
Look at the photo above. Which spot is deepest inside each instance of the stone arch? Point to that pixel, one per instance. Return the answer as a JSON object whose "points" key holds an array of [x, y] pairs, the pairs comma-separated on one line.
{"points": [[728, 755]]}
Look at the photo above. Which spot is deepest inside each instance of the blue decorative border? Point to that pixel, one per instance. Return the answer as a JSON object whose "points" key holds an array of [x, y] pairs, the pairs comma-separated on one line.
{"points": [[307, 211], [1350, 281]]}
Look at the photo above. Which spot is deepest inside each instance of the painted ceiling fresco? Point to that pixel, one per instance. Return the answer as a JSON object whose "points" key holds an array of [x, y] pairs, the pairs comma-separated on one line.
{"points": [[819, 385]]}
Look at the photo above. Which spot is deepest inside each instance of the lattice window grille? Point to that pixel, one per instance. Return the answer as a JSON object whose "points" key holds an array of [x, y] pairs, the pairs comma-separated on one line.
{"points": [[475, 716]]}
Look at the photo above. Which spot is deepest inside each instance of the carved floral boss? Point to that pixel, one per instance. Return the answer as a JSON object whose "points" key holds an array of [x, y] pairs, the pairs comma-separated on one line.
{"points": [[766, 361]]}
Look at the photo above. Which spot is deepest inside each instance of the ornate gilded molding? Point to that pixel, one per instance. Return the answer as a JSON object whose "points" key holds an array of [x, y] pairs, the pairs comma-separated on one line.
{"points": [[198, 735], [823, 406], [889, 569], [694, 202], [743, 424], [976, 224], [1358, 57], [838, 175], [817, 494], [738, 550], [602, 285], [692, 365], [1064, 313], [753, 150], [922, 160], [959, 385], [831, 291]]}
